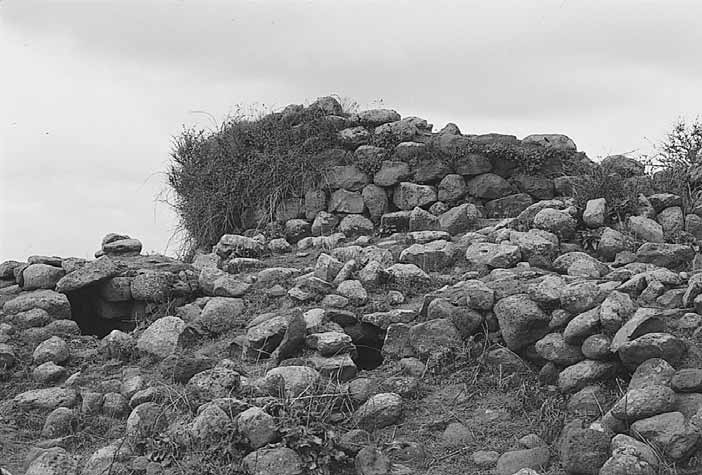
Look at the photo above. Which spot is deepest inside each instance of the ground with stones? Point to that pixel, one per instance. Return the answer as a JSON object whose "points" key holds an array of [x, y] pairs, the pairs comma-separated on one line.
{"points": [[424, 340]]}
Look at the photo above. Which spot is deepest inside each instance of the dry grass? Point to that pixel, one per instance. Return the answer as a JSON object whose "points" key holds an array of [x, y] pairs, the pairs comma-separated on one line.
{"points": [[249, 163]]}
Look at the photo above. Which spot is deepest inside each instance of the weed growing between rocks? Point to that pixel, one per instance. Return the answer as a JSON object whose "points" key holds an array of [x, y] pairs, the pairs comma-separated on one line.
{"points": [[247, 164], [601, 182], [312, 423], [483, 349]]}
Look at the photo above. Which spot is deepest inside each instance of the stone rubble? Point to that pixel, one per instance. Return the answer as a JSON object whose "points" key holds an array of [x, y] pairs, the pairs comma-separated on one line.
{"points": [[413, 266]]}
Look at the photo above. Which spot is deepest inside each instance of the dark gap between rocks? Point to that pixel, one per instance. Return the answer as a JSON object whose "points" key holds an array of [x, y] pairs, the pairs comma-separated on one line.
{"points": [[87, 308], [369, 344]]}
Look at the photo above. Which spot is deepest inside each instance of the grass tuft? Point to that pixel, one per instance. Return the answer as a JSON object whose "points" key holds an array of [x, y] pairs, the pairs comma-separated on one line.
{"points": [[218, 177]]}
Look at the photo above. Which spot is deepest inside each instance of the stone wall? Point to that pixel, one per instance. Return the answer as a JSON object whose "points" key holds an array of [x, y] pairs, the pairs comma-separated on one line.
{"points": [[387, 167]]}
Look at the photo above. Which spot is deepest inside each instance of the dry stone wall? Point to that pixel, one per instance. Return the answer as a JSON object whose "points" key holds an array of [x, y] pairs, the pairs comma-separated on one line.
{"points": [[386, 288], [386, 166]]}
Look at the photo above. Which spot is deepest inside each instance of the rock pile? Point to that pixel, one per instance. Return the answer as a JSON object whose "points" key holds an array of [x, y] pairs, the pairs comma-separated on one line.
{"points": [[397, 174], [260, 329]]}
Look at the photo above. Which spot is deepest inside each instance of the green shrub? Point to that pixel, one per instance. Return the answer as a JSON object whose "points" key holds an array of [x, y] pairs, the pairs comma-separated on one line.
{"points": [[681, 146], [218, 177], [600, 182], [677, 154]]}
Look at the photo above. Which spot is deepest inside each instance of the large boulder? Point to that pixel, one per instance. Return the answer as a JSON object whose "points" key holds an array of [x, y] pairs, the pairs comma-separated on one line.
{"points": [[376, 200], [46, 398], [410, 152], [257, 426], [645, 228], [326, 105], [644, 402], [433, 256], [451, 188], [522, 322], [611, 243], [384, 320], [665, 255], [556, 222], [553, 347], [53, 461], [234, 245], [354, 136], [380, 410], [431, 171], [595, 213], [466, 320], [652, 345], [524, 461], [53, 303], [265, 337], [422, 220], [324, 224], [375, 117], [292, 380], [493, 255], [672, 220], [565, 261], [356, 225], [584, 451], [391, 173], [152, 286], [408, 196], [161, 338], [579, 297], [221, 314], [348, 177], [91, 273], [459, 218], [274, 461], [403, 130], [472, 164], [120, 245], [669, 432], [582, 374], [661, 201], [620, 309], [556, 141], [395, 222], [616, 309], [536, 244], [41, 276], [489, 186], [582, 326], [53, 349], [295, 229], [434, 335], [539, 187]]}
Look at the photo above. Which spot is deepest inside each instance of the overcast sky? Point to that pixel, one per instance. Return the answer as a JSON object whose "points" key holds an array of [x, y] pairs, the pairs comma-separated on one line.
{"points": [[93, 91]]}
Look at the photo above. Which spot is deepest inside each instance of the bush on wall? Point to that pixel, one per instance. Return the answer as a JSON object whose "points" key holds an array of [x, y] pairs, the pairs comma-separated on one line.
{"points": [[217, 177]]}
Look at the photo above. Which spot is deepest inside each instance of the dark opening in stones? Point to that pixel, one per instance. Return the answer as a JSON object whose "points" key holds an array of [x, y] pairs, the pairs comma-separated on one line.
{"points": [[369, 344], [95, 316]]}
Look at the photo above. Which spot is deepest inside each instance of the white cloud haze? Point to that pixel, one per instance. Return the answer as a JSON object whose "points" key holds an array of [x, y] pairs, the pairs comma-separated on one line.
{"points": [[93, 91]]}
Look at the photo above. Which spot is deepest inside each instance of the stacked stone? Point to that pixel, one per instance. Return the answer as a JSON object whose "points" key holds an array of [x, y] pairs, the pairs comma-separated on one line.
{"points": [[34, 312], [119, 245], [118, 287], [525, 281], [427, 174]]}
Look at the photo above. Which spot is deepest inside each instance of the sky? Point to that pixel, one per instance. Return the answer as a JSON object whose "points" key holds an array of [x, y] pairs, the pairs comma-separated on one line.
{"points": [[93, 92]]}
